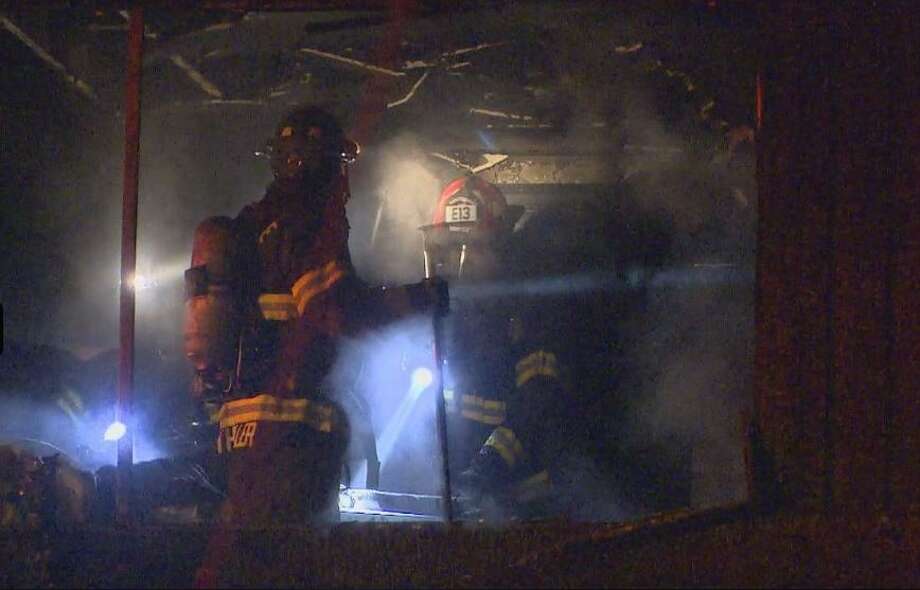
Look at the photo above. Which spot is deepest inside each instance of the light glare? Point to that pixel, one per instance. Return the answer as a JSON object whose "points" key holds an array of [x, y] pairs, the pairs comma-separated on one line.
{"points": [[115, 431], [421, 378]]}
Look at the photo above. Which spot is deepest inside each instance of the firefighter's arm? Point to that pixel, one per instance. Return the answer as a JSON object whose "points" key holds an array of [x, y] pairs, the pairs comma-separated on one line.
{"points": [[335, 301], [521, 444], [369, 307]]}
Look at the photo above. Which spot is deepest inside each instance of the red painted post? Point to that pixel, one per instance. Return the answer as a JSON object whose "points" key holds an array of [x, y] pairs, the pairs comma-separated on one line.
{"points": [[128, 262]]}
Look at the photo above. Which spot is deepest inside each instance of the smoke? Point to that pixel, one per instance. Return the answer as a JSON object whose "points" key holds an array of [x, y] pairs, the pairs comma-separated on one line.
{"points": [[681, 342], [394, 194], [380, 380], [46, 430], [692, 345]]}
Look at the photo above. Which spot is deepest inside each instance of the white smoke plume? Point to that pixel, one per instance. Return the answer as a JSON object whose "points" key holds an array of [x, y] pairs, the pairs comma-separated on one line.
{"points": [[394, 193]]}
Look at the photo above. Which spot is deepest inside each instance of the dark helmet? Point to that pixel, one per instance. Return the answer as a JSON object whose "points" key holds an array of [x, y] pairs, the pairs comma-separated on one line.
{"points": [[309, 146]]}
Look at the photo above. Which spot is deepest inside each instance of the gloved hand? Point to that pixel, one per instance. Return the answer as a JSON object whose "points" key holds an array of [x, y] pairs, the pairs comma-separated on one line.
{"points": [[486, 474], [430, 295], [480, 488], [470, 486]]}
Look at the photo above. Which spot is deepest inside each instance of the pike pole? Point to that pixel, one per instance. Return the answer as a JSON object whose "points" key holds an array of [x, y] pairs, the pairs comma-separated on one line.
{"points": [[128, 265], [441, 409], [442, 420]]}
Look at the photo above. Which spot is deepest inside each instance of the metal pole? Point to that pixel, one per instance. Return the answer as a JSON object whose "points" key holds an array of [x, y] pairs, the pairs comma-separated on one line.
{"points": [[128, 263], [441, 409], [442, 420]]}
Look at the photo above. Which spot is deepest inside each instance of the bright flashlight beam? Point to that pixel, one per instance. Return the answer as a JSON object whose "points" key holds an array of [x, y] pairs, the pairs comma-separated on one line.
{"points": [[702, 275], [421, 379], [115, 431], [142, 282]]}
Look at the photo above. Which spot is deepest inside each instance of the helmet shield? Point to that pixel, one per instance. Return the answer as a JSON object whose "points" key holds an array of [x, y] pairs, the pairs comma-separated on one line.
{"points": [[464, 253]]}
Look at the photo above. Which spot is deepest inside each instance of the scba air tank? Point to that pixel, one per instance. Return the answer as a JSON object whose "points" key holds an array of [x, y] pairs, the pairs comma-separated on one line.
{"points": [[212, 309]]}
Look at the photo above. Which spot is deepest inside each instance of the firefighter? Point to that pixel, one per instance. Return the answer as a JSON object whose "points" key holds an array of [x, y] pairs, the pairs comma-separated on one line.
{"points": [[504, 380], [270, 293]]}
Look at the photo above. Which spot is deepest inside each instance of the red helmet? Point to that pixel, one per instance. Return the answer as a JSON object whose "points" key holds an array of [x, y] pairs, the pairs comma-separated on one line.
{"points": [[471, 215], [471, 201]]}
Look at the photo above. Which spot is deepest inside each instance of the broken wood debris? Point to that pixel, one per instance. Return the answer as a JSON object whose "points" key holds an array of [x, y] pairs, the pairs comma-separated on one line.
{"points": [[628, 48], [411, 93], [351, 61], [490, 161], [81, 86], [444, 57], [479, 47], [148, 32], [197, 77], [500, 114]]}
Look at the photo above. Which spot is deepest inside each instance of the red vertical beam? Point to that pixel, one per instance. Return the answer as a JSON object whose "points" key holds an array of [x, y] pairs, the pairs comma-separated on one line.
{"points": [[378, 89], [128, 260]]}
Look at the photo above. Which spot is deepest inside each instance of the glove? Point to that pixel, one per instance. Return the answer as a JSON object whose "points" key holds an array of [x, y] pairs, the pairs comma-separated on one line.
{"points": [[430, 295], [486, 475]]}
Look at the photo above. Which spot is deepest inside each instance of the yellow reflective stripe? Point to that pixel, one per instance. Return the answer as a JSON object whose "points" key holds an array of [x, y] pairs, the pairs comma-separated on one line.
{"points": [[539, 363], [534, 486], [473, 407], [503, 440], [489, 404], [314, 282], [277, 306], [486, 411], [490, 419], [268, 408]]}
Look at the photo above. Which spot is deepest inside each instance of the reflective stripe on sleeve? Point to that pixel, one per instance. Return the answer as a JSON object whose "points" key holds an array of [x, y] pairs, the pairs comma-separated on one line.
{"points": [[315, 282], [277, 306], [486, 411], [268, 408], [503, 440], [540, 363]]}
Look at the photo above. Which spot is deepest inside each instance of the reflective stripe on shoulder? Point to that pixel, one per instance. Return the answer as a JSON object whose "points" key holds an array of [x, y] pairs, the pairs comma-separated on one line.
{"points": [[506, 443], [277, 306], [540, 363], [315, 282], [268, 408]]}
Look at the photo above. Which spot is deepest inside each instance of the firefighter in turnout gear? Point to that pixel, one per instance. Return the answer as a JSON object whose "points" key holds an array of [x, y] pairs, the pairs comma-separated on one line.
{"points": [[504, 384], [270, 292]]}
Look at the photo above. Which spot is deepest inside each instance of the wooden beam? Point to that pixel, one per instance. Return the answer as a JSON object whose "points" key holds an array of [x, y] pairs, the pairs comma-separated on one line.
{"points": [[79, 85]]}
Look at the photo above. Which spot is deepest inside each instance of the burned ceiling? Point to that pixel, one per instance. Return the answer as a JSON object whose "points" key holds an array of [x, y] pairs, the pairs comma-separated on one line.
{"points": [[485, 85]]}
